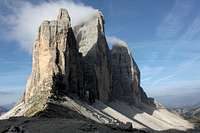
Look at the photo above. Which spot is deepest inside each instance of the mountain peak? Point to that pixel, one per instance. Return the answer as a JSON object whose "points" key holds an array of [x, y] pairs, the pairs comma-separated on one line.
{"points": [[63, 15], [101, 21], [75, 74]]}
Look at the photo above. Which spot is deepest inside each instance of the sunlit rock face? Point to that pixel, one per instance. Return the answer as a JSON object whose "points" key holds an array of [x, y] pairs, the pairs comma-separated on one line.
{"points": [[55, 61], [126, 76], [95, 57]]}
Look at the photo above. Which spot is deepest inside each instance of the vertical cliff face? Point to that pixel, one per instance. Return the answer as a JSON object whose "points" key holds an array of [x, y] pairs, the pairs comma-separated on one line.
{"points": [[95, 57], [126, 76], [55, 61]]}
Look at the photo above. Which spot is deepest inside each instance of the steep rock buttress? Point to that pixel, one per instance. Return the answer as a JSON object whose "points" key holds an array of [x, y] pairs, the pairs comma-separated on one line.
{"points": [[96, 65], [55, 66], [126, 76]]}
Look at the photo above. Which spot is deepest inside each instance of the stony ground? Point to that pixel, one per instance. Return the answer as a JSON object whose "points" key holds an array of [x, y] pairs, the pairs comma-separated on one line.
{"points": [[55, 125], [61, 125]]}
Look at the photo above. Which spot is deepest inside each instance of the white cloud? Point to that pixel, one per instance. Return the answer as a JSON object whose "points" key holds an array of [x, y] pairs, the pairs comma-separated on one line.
{"points": [[26, 18], [112, 40], [115, 41]]}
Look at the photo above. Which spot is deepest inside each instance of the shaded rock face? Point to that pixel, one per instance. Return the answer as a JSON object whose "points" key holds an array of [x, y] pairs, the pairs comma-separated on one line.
{"points": [[95, 57], [55, 61], [126, 76]]}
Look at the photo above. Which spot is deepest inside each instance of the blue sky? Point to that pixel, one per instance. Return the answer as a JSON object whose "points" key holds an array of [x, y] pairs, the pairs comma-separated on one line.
{"points": [[163, 35]]}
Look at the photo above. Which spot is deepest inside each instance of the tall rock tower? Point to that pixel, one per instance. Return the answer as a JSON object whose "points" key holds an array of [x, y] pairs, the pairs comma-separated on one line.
{"points": [[95, 57], [55, 55], [55, 66], [126, 76]]}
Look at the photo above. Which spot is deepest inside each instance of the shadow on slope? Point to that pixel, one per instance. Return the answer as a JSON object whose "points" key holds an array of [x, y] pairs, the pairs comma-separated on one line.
{"points": [[127, 114], [144, 116]]}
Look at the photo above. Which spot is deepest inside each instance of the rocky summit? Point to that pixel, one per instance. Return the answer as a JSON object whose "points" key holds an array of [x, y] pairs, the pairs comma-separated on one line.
{"points": [[76, 76]]}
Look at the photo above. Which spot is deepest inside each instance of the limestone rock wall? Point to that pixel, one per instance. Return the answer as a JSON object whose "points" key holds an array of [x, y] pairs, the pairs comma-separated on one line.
{"points": [[55, 59], [95, 57], [126, 76]]}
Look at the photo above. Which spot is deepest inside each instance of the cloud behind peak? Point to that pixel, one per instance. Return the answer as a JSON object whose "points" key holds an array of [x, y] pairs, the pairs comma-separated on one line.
{"points": [[26, 17]]}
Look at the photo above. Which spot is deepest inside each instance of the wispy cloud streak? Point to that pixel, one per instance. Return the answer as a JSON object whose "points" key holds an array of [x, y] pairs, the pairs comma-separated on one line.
{"points": [[173, 23], [193, 29]]}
